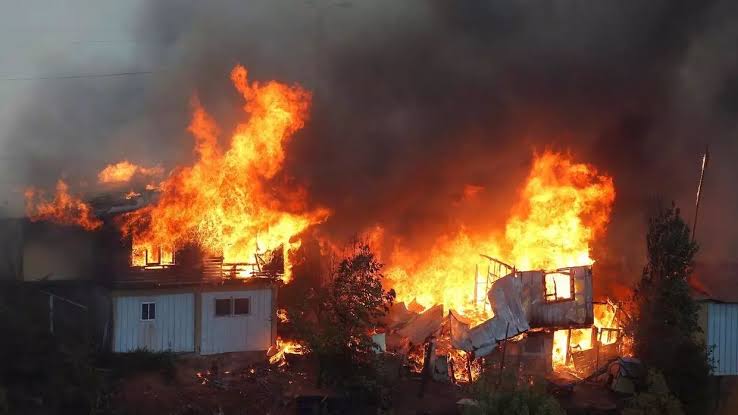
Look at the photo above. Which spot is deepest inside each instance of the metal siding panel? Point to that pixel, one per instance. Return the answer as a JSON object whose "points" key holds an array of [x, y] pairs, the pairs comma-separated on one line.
{"points": [[166, 332], [732, 338], [117, 341], [177, 339], [729, 343], [722, 333], [716, 337], [125, 330], [725, 355], [236, 333], [710, 335], [725, 341], [116, 327], [722, 338], [177, 328]]}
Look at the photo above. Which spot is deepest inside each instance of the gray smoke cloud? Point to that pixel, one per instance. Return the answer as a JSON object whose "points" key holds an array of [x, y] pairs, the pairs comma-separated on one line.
{"points": [[414, 100]]}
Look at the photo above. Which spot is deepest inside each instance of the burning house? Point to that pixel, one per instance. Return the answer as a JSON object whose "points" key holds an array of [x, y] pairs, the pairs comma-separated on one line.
{"points": [[193, 258], [543, 321], [180, 301]]}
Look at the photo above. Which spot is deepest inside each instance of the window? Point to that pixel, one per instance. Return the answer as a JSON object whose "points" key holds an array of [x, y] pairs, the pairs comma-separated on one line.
{"points": [[608, 336], [148, 311], [533, 344], [222, 306], [241, 306], [558, 286]]}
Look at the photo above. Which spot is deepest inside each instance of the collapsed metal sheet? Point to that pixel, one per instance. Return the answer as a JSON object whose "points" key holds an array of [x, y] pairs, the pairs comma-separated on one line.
{"points": [[420, 327], [509, 316], [519, 303]]}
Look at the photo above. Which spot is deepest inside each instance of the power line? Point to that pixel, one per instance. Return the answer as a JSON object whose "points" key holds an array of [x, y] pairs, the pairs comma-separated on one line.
{"points": [[104, 75]]}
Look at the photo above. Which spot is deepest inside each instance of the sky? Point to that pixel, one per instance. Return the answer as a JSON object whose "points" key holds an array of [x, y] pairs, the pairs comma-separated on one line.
{"points": [[41, 39]]}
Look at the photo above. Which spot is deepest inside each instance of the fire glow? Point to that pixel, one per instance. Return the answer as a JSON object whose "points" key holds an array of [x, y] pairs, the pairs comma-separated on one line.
{"points": [[64, 208], [607, 328], [124, 171], [230, 201], [562, 208], [283, 348]]}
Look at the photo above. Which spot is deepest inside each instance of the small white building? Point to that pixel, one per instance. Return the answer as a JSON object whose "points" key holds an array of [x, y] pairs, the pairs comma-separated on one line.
{"points": [[206, 318]]}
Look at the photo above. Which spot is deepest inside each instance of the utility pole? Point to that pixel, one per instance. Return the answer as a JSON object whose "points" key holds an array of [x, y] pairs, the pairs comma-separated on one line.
{"points": [[705, 160]]}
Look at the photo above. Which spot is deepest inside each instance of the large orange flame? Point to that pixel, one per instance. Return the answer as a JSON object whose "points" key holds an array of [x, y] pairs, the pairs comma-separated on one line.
{"points": [[230, 201], [123, 172], [64, 208], [563, 207], [607, 325]]}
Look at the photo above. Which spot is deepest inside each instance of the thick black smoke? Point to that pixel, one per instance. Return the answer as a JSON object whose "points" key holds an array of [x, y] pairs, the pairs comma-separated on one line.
{"points": [[414, 100]]}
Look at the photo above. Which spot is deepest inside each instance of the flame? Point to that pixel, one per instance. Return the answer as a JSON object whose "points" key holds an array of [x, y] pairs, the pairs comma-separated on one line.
{"points": [[283, 348], [282, 315], [123, 172], [608, 327], [558, 284], [132, 195], [63, 209], [231, 201], [563, 207]]}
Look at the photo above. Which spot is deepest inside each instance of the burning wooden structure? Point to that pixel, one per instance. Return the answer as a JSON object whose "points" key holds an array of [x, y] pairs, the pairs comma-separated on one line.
{"points": [[541, 321], [181, 300]]}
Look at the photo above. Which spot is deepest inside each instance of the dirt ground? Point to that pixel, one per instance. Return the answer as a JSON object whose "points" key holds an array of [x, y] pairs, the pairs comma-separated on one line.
{"points": [[244, 383]]}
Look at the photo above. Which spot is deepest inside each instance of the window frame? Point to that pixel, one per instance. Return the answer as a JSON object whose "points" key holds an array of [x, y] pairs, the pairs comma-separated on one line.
{"points": [[547, 296], [230, 307], [538, 342], [248, 304], [148, 305]]}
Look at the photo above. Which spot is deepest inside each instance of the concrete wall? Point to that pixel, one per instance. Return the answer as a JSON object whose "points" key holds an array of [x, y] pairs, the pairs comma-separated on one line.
{"points": [[236, 333], [173, 328]]}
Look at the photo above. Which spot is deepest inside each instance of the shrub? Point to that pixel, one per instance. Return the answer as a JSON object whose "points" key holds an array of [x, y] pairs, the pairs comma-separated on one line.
{"points": [[510, 397]]}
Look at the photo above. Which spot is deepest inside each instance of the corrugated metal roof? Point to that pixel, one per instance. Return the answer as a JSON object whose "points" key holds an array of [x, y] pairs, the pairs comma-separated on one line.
{"points": [[722, 334]]}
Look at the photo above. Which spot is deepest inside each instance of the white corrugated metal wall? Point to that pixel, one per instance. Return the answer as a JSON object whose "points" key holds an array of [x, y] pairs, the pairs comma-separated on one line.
{"points": [[172, 329], [722, 333], [236, 333]]}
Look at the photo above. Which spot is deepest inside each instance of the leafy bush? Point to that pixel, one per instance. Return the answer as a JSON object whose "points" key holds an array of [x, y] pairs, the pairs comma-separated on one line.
{"points": [[655, 400], [510, 397]]}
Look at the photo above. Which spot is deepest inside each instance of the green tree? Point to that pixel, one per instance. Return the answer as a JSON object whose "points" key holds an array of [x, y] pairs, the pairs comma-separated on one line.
{"points": [[336, 321], [665, 326]]}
